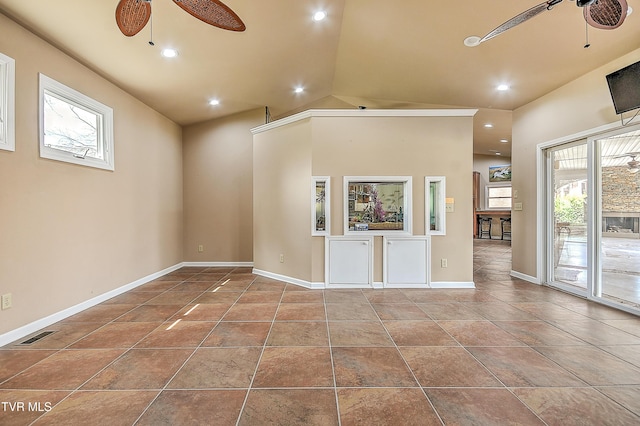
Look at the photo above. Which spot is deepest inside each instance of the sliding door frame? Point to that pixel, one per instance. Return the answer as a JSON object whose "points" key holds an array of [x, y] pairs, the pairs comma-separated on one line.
{"points": [[544, 221], [597, 259]]}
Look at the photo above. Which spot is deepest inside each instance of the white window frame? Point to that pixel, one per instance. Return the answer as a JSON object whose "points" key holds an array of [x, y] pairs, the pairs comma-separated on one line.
{"points": [[105, 125], [407, 205], [497, 185], [327, 205], [441, 228], [7, 102]]}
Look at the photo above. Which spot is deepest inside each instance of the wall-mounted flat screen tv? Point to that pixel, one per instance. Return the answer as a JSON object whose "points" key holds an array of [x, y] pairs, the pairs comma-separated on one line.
{"points": [[624, 86]]}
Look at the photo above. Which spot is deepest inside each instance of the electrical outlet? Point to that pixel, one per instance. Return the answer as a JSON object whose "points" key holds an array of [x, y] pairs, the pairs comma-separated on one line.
{"points": [[443, 263], [200, 248], [6, 301], [281, 258]]}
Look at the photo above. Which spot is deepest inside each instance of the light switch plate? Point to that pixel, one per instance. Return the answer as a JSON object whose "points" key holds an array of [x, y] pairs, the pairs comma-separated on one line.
{"points": [[6, 301]]}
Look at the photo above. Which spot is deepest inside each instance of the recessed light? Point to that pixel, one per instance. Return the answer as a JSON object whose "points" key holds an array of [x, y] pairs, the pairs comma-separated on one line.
{"points": [[169, 53], [298, 90], [214, 102], [497, 153], [472, 41], [502, 87], [488, 125], [504, 140], [319, 15]]}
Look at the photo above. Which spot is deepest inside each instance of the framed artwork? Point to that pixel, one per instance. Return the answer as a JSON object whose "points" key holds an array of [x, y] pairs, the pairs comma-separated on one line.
{"points": [[500, 173], [7, 103]]}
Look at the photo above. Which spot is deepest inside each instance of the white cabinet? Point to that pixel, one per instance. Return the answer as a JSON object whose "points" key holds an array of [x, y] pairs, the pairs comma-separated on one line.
{"points": [[348, 262], [406, 261]]}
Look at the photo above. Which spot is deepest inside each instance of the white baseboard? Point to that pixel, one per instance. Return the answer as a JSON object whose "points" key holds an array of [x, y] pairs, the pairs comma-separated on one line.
{"points": [[375, 285], [286, 279], [219, 264], [317, 285], [529, 278], [310, 285], [352, 286], [453, 284], [418, 286], [19, 333]]}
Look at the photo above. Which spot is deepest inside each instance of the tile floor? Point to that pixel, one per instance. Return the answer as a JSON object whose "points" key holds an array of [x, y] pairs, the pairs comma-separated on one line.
{"points": [[224, 347]]}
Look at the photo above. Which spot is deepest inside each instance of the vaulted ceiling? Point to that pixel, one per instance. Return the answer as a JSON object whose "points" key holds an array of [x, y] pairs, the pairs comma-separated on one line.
{"points": [[380, 54]]}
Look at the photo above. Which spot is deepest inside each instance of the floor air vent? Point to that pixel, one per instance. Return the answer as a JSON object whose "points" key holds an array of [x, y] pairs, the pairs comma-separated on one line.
{"points": [[37, 337]]}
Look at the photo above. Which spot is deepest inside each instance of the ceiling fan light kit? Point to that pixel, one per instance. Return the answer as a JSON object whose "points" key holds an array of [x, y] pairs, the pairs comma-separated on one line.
{"points": [[633, 165]]}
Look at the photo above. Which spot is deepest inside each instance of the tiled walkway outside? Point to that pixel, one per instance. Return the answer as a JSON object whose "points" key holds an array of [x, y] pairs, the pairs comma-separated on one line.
{"points": [[215, 346]]}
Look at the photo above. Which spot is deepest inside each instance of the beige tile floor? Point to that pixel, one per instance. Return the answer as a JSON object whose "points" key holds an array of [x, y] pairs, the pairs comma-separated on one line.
{"points": [[186, 349]]}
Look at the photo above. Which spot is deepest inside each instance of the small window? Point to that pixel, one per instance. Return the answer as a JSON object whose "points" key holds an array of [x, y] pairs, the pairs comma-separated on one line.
{"points": [[73, 127], [435, 208], [320, 197], [377, 205], [498, 198], [7, 103]]}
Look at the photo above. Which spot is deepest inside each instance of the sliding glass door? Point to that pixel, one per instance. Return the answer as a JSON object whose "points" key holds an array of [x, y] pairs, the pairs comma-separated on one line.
{"points": [[618, 267], [568, 201], [592, 194]]}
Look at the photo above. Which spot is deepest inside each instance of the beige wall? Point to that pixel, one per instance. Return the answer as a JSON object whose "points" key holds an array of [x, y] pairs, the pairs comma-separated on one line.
{"points": [[218, 181], [282, 200], [69, 233], [575, 108], [358, 146]]}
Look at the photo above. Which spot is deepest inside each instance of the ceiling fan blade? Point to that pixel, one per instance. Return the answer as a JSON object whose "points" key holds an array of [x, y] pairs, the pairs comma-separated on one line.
{"points": [[519, 19], [132, 16], [631, 155], [606, 14], [213, 12]]}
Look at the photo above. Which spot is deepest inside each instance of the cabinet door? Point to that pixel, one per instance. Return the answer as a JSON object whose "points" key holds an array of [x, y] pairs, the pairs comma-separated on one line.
{"points": [[349, 262], [406, 262]]}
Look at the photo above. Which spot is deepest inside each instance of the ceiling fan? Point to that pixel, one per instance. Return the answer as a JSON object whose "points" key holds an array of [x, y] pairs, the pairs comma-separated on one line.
{"points": [[634, 165], [133, 15], [602, 14]]}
